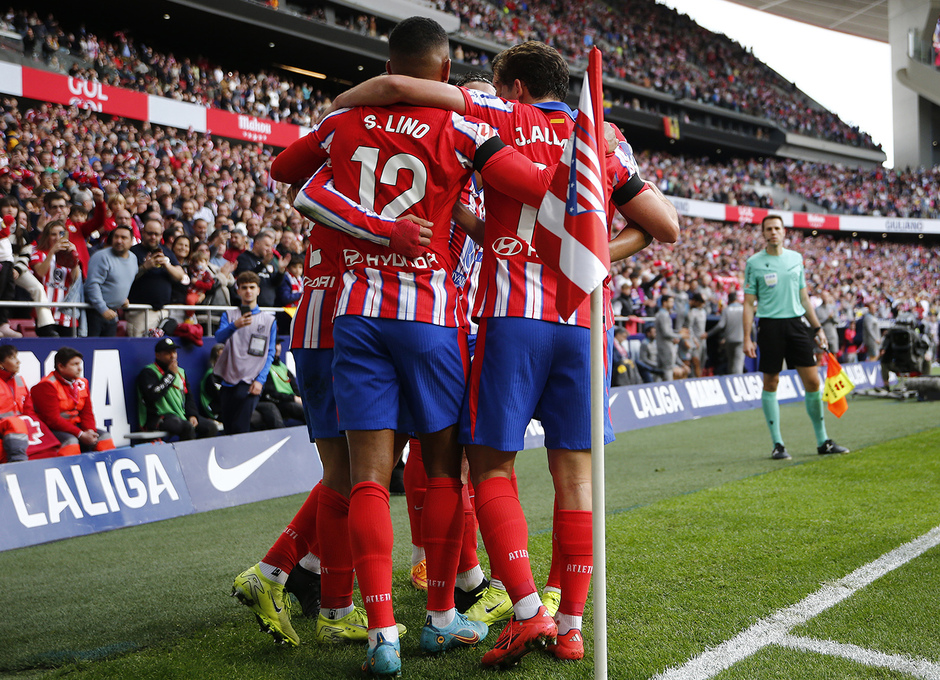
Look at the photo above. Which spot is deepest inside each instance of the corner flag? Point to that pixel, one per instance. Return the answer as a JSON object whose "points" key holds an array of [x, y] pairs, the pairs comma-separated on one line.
{"points": [[571, 228]]}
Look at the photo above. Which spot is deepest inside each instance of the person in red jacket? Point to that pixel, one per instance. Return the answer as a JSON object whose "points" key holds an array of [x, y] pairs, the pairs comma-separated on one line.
{"points": [[14, 404], [63, 402]]}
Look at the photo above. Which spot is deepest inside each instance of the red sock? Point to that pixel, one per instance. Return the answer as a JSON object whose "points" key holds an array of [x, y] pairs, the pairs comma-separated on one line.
{"points": [[505, 535], [336, 569], [554, 572], [442, 528], [416, 486], [577, 554], [294, 542], [370, 537], [494, 571], [468, 546]]}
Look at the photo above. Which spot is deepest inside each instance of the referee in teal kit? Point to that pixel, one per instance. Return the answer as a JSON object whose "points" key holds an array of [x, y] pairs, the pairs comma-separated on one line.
{"points": [[775, 279]]}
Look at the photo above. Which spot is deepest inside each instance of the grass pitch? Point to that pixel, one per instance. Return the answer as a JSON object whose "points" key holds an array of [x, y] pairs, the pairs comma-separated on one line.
{"points": [[706, 536]]}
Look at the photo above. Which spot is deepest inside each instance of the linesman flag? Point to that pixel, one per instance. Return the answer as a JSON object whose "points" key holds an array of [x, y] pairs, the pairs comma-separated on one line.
{"points": [[837, 386], [571, 228]]}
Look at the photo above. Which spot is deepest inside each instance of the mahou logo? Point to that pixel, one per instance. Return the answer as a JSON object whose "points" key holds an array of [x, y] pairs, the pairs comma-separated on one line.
{"points": [[815, 220], [254, 129]]}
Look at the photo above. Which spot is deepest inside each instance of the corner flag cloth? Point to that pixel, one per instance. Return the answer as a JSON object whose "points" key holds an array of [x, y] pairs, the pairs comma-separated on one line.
{"points": [[837, 386], [571, 228]]}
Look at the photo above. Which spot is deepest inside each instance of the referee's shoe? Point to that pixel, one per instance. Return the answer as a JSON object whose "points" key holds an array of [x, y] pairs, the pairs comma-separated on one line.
{"points": [[830, 446], [779, 452]]}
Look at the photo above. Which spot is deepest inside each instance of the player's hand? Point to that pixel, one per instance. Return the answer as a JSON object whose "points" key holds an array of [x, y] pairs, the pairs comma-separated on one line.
{"points": [[611, 137], [410, 236], [255, 388], [750, 349]]}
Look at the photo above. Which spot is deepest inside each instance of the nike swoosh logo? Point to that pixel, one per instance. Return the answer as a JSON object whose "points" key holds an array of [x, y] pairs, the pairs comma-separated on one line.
{"points": [[490, 610], [226, 479]]}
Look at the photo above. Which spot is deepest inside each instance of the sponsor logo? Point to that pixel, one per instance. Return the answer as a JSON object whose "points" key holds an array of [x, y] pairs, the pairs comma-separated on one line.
{"points": [[316, 257], [351, 257], [906, 226], [227, 479], [251, 124], [88, 94], [122, 485], [745, 387], [384, 597], [507, 246], [655, 401], [534, 429], [815, 220], [704, 393]]}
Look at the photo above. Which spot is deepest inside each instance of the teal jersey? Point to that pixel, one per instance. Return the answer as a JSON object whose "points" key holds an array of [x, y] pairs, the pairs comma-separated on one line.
{"points": [[776, 281]]}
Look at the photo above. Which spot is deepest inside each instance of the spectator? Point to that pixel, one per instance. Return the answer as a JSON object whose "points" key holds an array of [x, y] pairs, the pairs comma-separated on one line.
{"points": [[249, 351], [280, 397], [237, 244], [201, 280], [56, 206], [62, 401], [111, 273], [871, 332], [7, 272], [826, 313], [697, 336], [14, 404], [158, 269], [22, 245], [292, 285], [165, 400], [648, 360], [56, 267], [209, 386], [731, 327], [666, 337], [262, 261]]}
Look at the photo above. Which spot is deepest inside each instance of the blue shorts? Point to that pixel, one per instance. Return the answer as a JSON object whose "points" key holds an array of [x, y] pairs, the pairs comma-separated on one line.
{"points": [[387, 370], [524, 369], [314, 369]]}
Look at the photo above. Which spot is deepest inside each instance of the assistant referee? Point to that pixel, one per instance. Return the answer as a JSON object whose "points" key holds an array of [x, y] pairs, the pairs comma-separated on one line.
{"points": [[775, 278]]}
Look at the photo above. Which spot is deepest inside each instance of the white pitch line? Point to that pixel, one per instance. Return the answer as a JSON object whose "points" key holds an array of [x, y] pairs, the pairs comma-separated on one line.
{"points": [[919, 668], [775, 627]]}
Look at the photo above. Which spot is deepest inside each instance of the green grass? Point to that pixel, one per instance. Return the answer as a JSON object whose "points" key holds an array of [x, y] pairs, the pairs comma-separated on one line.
{"points": [[706, 535]]}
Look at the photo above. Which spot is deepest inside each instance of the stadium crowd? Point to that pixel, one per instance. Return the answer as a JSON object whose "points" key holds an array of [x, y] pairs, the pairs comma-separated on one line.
{"points": [[658, 48]]}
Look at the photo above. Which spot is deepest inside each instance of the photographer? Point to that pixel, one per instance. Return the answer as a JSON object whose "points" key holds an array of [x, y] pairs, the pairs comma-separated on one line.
{"points": [[158, 269], [56, 266]]}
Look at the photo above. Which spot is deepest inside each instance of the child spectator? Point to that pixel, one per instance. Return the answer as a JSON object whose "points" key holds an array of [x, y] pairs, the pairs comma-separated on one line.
{"points": [[201, 280], [292, 285], [62, 401]]}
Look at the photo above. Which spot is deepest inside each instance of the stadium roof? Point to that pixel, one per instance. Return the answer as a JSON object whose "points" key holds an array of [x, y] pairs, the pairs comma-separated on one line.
{"points": [[865, 18]]}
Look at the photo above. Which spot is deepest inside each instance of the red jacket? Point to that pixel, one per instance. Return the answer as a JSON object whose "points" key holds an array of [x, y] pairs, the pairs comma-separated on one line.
{"points": [[14, 397], [63, 407]]}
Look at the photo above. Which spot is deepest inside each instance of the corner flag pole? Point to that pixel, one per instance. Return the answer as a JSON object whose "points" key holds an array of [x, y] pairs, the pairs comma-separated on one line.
{"points": [[598, 375], [597, 485]]}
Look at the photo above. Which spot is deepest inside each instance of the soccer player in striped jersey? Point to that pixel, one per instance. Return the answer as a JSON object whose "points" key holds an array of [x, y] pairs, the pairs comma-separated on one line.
{"points": [[397, 336], [295, 562], [525, 348]]}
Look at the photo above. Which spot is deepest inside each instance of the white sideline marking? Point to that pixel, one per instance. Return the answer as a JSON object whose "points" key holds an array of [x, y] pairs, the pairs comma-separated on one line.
{"points": [[774, 628], [919, 668]]}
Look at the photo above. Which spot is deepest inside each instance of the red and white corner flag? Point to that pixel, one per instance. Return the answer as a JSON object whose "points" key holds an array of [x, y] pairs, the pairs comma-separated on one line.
{"points": [[571, 228]]}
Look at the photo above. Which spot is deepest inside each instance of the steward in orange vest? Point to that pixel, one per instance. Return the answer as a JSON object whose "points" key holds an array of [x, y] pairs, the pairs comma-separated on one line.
{"points": [[63, 402], [14, 403]]}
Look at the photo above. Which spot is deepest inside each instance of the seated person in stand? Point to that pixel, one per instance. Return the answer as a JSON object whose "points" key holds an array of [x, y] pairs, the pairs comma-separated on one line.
{"points": [[14, 405], [165, 400], [280, 397], [62, 401]]}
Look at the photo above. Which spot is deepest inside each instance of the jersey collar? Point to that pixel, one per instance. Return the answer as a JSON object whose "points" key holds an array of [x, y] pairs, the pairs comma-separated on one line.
{"points": [[556, 106]]}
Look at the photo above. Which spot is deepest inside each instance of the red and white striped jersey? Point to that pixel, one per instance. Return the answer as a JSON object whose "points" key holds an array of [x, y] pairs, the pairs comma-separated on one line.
{"points": [[312, 325], [56, 282], [513, 279], [395, 161]]}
